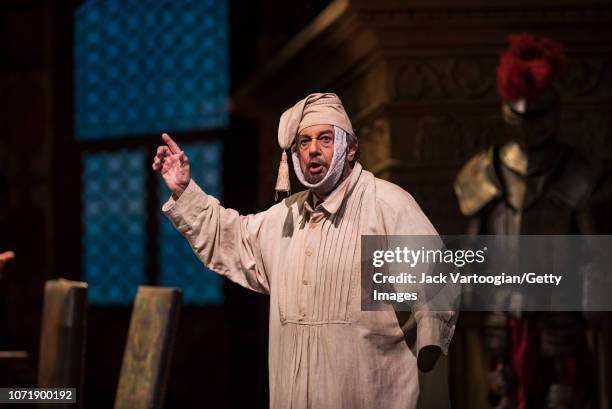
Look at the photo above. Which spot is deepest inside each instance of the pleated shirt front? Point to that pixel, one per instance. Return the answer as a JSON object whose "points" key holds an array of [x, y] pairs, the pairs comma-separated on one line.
{"points": [[324, 352]]}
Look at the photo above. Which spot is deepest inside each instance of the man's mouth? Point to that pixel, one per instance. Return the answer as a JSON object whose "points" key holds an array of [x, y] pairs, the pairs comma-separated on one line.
{"points": [[315, 168]]}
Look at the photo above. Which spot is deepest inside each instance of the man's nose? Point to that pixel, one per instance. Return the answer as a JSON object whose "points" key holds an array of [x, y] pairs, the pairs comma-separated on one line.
{"points": [[313, 149]]}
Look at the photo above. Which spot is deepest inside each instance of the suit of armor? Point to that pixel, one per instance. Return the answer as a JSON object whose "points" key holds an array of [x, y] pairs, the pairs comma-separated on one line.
{"points": [[538, 359], [534, 184]]}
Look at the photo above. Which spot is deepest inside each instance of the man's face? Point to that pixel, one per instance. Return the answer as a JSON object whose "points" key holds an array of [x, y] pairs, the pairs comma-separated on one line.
{"points": [[316, 150]]}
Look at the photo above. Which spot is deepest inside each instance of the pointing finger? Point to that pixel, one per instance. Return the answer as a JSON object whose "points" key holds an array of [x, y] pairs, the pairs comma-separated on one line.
{"points": [[174, 148]]}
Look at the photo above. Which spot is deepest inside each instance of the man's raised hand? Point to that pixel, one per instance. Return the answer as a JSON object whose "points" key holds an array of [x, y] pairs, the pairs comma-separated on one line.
{"points": [[6, 257], [173, 165]]}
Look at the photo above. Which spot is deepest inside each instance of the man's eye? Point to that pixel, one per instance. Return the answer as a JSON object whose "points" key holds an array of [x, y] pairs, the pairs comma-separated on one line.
{"points": [[326, 138]]}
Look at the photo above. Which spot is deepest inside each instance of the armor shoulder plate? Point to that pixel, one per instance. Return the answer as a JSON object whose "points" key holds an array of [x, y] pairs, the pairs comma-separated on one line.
{"points": [[477, 184]]}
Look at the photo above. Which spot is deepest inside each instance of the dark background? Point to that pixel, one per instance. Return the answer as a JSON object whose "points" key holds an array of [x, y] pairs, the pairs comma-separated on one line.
{"points": [[418, 80]]}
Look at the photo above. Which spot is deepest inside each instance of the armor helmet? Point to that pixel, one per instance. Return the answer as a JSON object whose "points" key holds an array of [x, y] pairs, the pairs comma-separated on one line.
{"points": [[525, 75]]}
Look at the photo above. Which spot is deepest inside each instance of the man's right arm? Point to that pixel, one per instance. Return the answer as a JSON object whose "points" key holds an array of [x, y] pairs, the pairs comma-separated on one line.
{"points": [[223, 240]]}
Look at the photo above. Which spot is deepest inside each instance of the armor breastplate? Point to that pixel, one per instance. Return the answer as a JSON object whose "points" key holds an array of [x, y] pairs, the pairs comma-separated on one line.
{"points": [[548, 205]]}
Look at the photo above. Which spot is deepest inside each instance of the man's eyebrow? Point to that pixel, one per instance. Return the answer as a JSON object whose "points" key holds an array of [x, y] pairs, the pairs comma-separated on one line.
{"points": [[324, 132]]}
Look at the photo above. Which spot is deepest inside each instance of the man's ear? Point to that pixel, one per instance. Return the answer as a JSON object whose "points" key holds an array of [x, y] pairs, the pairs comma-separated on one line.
{"points": [[350, 152]]}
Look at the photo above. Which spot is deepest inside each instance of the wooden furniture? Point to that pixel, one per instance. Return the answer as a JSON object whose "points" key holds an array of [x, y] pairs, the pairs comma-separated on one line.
{"points": [[148, 350], [62, 340]]}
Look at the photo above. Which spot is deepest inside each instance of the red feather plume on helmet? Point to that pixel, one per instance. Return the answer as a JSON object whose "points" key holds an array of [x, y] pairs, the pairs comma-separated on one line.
{"points": [[528, 67]]}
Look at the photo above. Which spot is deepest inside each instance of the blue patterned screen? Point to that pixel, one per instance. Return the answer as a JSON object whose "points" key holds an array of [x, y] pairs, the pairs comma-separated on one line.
{"points": [[114, 220], [147, 66], [178, 265]]}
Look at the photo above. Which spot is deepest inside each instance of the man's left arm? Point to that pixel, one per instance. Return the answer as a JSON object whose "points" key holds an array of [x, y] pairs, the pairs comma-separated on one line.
{"points": [[435, 320]]}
